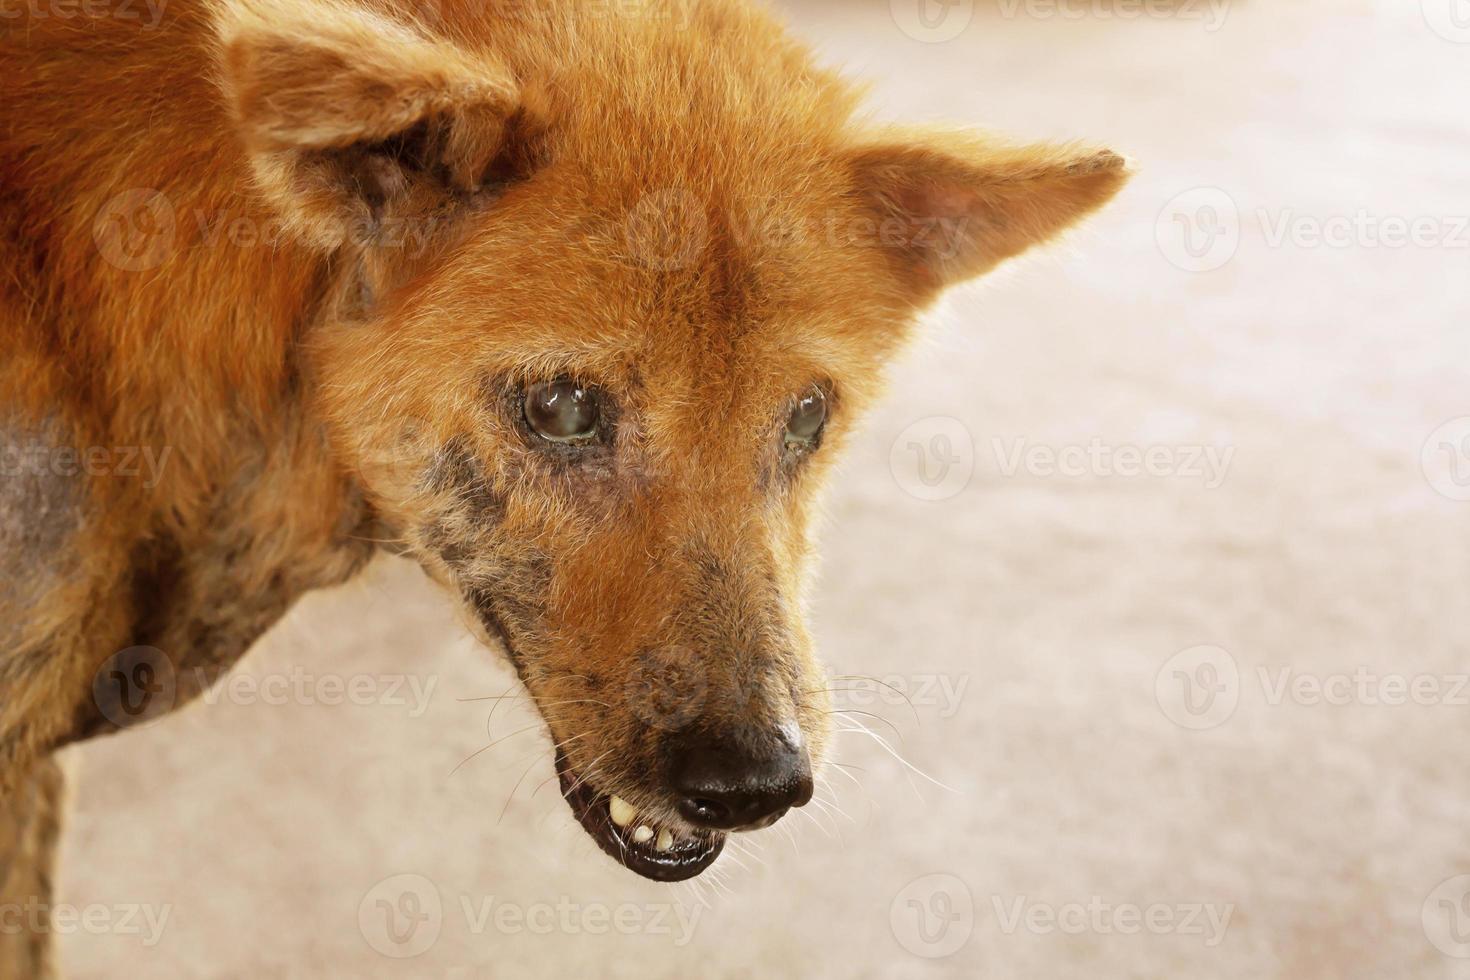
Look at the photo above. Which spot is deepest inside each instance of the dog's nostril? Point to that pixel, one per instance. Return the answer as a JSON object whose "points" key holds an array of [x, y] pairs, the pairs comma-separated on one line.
{"points": [[726, 787]]}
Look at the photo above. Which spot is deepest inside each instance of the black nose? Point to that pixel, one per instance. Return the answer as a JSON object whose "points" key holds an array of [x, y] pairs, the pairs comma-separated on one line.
{"points": [[739, 780]]}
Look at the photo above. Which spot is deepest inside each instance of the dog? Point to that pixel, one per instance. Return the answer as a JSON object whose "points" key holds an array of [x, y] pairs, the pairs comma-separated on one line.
{"points": [[573, 303]]}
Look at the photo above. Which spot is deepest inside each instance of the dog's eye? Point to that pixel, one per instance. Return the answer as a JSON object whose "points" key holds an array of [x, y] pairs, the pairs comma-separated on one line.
{"points": [[561, 410], [807, 418]]}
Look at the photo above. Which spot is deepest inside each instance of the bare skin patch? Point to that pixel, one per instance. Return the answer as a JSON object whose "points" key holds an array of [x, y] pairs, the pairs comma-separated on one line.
{"points": [[40, 511], [40, 506], [468, 508]]}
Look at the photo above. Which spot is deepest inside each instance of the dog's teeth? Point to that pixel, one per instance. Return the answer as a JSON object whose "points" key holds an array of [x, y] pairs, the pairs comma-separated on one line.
{"points": [[622, 811], [642, 834], [665, 840]]}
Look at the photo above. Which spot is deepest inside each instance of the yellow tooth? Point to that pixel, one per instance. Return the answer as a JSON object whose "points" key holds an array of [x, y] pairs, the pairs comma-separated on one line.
{"points": [[622, 811], [665, 840], [642, 834]]}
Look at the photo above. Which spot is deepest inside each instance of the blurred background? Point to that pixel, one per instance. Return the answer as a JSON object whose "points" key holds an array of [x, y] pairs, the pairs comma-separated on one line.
{"points": [[1148, 578]]}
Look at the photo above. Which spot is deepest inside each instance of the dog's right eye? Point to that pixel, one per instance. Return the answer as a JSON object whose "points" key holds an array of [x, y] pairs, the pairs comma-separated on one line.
{"points": [[562, 411]]}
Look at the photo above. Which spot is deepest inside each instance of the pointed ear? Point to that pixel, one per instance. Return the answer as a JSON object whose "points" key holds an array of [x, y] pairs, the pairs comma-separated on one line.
{"points": [[951, 208], [345, 114]]}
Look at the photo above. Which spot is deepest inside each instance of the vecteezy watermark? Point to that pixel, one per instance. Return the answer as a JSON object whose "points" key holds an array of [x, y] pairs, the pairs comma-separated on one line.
{"points": [[932, 21], [666, 230], [669, 229], [1445, 916], [1361, 686], [1100, 917], [140, 683], [35, 915], [1363, 229], [148, 13], [1450, 19], [1445, 459], [403, 916], [134, 685], [1207, 464], [1210, 13], [917, 691], [568, 917], [134, 230], [933, 459], [1200, 687], [41, 458], [298, 686], [140, 229], [666, 687], [932, 916], [1200, 230], [677, 14]]}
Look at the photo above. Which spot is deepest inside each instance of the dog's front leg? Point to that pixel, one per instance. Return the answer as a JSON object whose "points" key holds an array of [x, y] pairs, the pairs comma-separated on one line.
{"points": [[30, 825]]}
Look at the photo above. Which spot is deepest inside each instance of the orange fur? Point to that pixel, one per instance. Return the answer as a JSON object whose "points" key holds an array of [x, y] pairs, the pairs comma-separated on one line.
{"points": [[446, 203]]}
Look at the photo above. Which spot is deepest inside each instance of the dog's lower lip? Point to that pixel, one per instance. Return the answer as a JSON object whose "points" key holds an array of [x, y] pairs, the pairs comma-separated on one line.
{"points": [[687, 856]]}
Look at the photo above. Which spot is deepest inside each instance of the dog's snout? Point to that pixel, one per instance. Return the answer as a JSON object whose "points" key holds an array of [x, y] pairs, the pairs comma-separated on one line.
{"points": [[734, 782]]}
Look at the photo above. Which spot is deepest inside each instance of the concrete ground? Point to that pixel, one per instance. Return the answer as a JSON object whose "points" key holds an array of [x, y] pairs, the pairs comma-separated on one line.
{"points": [[1207, 720]]}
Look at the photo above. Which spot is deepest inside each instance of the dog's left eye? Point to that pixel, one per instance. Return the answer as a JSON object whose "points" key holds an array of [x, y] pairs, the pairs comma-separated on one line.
{"points": [[807, 418], [562, 410]]}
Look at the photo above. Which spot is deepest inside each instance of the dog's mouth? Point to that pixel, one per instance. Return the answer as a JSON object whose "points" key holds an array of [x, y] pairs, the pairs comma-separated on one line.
{"points": [[658, 853]]}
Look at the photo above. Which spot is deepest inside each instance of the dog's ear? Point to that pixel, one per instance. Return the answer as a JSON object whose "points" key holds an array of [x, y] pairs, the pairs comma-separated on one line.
{"points": [[949, 208], [345, 114]]}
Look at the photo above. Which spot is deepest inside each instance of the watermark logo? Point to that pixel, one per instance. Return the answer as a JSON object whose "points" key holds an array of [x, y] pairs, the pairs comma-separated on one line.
{"points": [[932, 21], [933, 916], [1362, 687], [667, 230], [1199, 230], [401, 916], [148, 14], [134, 685], [568, 917], [1210, 13], [1201, 687], [1100, 917], [1206, 464], [39, 459], [1362, 229], [1450, 19], [134, 231], [410, 692], [666, 687], [943, 692], [1445, 459], [1446, 917], [35, 915], [933, 459], [1198, 688], [404, 915]]}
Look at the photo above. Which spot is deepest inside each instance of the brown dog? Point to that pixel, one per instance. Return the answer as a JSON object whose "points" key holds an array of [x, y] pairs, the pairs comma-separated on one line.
{"points": [[573, 302]]}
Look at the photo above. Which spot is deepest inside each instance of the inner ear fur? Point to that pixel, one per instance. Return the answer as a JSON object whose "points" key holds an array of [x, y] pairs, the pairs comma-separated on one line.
{"points": [[345, 114], [955, 206]]}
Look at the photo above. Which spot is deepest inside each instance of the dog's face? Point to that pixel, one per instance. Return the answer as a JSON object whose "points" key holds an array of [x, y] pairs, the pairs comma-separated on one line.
{"points": [[611, 293]]}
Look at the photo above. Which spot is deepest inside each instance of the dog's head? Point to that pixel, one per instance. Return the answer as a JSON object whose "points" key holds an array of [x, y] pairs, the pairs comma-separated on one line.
{"points": [[612, 284]]}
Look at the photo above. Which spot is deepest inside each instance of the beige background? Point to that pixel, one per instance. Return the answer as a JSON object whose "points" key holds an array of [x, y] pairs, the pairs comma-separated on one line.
{"points": [[1055, 601]]}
